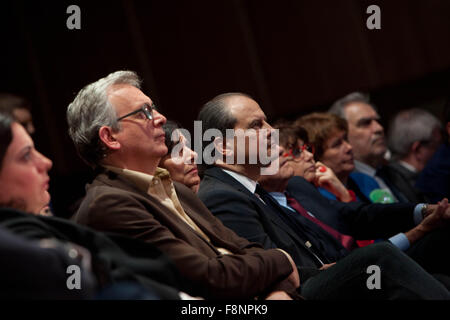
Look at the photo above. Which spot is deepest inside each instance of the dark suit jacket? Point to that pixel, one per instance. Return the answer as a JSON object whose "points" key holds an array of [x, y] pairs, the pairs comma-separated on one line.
{"points": [[358, 219], [115, 204], [28, 271], [248, 216], [404, 180], [434, 180], [114, 258]]}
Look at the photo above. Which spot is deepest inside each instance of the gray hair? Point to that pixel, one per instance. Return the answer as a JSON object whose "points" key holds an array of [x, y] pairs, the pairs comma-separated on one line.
{"points": [[410, 126], [338, 106], [90, 110]]}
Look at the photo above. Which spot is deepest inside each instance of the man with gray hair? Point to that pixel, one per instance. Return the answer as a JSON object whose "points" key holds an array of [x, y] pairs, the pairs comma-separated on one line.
{"points": [[413, 137], [366, 136], [117, 129]]}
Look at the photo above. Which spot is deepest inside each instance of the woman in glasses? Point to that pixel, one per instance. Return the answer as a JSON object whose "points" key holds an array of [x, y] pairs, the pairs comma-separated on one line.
{"points": [[295, 140], [180, 159]]}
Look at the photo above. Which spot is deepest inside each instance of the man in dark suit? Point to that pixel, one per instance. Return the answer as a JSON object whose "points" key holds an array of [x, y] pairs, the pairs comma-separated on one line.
{"points": [[230, 190], [117, 129], [413, 137]]}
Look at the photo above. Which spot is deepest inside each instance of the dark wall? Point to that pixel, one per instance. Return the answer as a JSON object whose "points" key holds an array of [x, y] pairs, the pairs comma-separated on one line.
{"points": [[292, 56]]}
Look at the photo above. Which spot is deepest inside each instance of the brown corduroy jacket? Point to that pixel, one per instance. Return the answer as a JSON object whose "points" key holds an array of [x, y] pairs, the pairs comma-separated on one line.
{"points": [[115, 204]]}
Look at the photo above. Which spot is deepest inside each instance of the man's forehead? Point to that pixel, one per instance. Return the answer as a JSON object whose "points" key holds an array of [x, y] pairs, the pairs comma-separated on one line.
{"points": [[245, 109], [359, 110], [125, 93]]}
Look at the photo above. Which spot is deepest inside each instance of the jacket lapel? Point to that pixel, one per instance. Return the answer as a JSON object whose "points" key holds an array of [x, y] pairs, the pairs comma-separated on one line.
{"points": [[118, 181], [222, 176]]}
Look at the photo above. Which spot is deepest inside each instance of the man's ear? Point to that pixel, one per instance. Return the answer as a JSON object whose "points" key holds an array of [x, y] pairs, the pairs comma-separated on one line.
{"points": [[106, 135], [223, 147], [415, 146]]}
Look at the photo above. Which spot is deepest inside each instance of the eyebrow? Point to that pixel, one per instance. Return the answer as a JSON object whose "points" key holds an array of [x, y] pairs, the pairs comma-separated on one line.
{"points": [[257, 121], [367, 119]]}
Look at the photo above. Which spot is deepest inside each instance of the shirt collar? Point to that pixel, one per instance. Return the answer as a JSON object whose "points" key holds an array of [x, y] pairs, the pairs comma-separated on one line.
{"points": [[248, 183], [407, 166], [280, 197], [142, 180], [365, 168]]}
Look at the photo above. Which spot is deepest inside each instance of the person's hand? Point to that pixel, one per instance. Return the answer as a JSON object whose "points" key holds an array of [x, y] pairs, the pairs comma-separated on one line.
{"points": [[327, 265], [278, 295], [436, 217], [326, 179]]}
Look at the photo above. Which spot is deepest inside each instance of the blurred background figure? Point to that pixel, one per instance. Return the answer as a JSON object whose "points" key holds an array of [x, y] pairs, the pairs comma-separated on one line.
{"points": [[413, 137], [19, 108], [434, 180]]}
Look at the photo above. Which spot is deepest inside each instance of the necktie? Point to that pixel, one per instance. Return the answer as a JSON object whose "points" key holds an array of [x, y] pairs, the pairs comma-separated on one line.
{"points": [[346, 241]]}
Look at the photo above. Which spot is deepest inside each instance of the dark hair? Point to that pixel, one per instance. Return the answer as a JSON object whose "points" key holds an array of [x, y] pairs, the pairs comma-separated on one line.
{"points": [[169, 127], [320, 127], [5, 134], [215, 114], [288, 133], [10, 102]]}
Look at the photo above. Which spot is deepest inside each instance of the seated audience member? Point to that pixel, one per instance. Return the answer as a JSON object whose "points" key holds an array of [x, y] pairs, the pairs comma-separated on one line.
{"points": [[327, 133], [43, 247], [118, 130], [31, 270], [230, 190], [366, 136], [181, 165], [294, 138], [19, 108], [434, 180], [413, 137]]}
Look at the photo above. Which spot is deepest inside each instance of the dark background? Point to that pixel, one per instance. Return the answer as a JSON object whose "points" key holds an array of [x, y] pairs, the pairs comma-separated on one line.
{"points": [[293, 57]]}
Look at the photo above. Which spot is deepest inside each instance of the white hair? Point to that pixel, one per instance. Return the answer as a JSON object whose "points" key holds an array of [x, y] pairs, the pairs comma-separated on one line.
{"points": [[410, 126], [90, 110]]}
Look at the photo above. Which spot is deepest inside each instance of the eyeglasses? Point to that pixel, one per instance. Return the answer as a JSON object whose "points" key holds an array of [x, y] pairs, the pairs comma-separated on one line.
{"points": [[146, 109], [298, 151]]}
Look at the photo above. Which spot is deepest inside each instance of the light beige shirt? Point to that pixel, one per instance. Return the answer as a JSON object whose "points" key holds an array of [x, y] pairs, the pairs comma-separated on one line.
{"points": [[160, 186]]}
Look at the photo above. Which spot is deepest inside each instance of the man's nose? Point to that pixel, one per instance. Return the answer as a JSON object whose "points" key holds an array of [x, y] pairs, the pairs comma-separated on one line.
{"points": [[158, 119], [377, 127]]}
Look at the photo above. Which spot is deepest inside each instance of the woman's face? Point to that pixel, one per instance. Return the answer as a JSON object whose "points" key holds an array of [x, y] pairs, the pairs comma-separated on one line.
{"points": [[303, 161], [181, 164], [338, 154], [24, 179]]}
